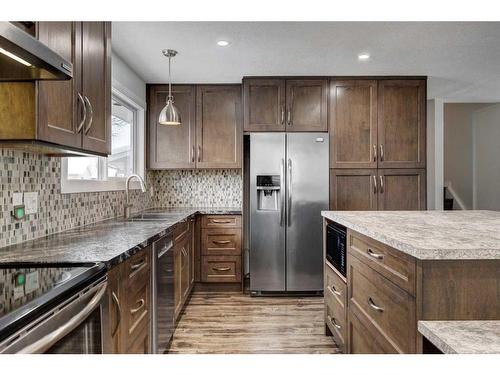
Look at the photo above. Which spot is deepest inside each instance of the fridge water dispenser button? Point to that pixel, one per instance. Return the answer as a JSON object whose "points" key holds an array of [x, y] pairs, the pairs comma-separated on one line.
{"points": [[268, 191]]}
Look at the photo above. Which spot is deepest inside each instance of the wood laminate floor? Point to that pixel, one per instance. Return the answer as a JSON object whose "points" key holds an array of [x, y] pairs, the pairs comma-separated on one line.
{"points": [[231, 322]]}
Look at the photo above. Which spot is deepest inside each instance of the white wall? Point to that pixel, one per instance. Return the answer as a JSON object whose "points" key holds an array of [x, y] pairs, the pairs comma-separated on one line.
{"points": [[486, 152], [458, 168], [127, 81], [435, 154]]}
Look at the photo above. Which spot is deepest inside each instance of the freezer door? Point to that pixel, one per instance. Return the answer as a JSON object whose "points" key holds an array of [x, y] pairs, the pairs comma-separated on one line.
{"points": [[307, 196], [267, 216]]}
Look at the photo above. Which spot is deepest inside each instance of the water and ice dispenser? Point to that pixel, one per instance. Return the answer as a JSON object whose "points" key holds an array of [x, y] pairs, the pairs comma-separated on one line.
{"points": [[268, 192]]}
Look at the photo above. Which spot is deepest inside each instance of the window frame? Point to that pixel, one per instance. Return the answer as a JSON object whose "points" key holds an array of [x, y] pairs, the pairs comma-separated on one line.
{"points": [[69, 186]]}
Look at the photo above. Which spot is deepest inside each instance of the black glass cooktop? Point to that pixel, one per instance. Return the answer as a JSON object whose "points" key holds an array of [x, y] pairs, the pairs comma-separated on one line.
{"points": [[28, 291]]}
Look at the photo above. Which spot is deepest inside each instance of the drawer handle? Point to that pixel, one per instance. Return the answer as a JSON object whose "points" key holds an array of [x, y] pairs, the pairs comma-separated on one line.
{"points": [[141, 303], [374, 255], [221, 268], [217, 221], [137, 265], [334, 322], [334, 290], [221, 242], [374, 306]]}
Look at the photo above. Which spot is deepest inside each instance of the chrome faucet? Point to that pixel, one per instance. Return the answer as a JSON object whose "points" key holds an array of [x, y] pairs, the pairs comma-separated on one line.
{"points": [[129, 205]]}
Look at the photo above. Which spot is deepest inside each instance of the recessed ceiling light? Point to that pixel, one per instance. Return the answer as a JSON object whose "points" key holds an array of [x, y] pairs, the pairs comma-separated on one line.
{"points": [[222, 43], [364, 56]]}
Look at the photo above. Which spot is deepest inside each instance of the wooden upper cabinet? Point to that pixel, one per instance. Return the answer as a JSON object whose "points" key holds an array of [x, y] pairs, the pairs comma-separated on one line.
{"points": [[307, 103], [172, 146], [60, 110], [401, 123], [96, 85], [218, 126], [353, 124], [401, 189], [353, 189], [264, 104]]}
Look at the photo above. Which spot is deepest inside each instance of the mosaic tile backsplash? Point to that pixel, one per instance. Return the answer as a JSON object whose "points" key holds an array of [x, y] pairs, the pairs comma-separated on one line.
{"points": [[197, 188], [25, 172]]}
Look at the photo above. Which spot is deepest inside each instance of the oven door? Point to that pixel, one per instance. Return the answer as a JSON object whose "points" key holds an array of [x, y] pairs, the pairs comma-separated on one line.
{"points": [[75, 326]]}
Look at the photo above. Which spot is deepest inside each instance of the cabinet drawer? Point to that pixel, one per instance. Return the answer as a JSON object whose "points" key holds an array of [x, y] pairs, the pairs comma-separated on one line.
{"points": [[394, 265], [221, 221], [335, 287], [137, 312], [141, 344], [180, 230], [364, 340], [384, 305], [221, 269], [336, 318], [138, 269], [221, 241]]}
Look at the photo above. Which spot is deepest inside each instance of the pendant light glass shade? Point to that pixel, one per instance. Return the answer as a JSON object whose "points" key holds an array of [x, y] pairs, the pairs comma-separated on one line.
{"points": [[169, 115]]}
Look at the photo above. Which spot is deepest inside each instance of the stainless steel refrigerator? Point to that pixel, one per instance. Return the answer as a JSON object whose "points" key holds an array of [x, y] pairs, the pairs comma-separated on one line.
{"points": [[288, 190]]}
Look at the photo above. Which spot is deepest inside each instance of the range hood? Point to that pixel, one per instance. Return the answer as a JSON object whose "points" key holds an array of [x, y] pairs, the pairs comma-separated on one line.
{"points": [[24, 58]]}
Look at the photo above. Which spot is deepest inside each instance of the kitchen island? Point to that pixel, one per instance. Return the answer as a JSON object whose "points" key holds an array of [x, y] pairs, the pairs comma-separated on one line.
{"points": [[407, 266]]}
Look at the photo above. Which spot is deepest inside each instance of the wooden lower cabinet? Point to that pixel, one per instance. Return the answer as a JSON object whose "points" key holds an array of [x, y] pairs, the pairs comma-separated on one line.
{"points": [[389, 291], [129, 310], [353, 189], [183, 263], [401, 189], [221, 249]]}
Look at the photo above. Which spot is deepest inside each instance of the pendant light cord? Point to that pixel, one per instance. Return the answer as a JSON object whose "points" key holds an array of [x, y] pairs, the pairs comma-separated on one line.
{"points": [[169, 80]]}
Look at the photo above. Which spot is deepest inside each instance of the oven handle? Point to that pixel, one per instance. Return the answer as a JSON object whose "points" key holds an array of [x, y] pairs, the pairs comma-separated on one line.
{"points": [[47, 341]]}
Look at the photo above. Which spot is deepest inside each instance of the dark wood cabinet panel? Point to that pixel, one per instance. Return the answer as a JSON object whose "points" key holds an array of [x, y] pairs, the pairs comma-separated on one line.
{"points": [[264, 104], [307, 103], [60, 110], [401, 123], [353, 124], [353, 189], [172, 146], [96, 85], [402, 189], [218, 126]]}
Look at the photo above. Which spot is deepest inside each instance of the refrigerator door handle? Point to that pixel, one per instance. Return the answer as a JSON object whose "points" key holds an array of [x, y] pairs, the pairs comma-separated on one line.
{"points": [[289, 191], [282, 190]]}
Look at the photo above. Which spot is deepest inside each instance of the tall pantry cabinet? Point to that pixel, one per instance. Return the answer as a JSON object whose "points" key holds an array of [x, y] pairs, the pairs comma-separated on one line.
{"points": [[377, 146]]}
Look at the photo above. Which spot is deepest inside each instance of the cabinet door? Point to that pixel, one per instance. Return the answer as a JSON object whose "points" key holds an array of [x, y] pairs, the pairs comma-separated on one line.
{"points": [[172, 146], [116, 303], [353, 124], [185, 267], [60, 109], [192, 255], [402, 189], [353, 189], [264, 105], [96, 85], [218, 126], [307, 103], [177, 280], [401, 123]]}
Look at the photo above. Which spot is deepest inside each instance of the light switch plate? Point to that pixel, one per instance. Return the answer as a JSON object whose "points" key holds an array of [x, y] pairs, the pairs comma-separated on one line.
{"points": [[17, 199], [31, 202], [31, 282]]}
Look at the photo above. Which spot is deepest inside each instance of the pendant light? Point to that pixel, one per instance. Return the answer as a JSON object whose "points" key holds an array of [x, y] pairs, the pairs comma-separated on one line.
{"points": [[169, 115]]}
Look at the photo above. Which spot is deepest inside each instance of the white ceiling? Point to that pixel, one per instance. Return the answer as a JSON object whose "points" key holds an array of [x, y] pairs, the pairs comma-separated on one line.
{"points": [[462, 60]]}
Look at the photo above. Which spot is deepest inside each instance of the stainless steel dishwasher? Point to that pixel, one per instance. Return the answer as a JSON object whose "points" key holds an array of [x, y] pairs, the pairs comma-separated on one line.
{"points": [[163, 294]]}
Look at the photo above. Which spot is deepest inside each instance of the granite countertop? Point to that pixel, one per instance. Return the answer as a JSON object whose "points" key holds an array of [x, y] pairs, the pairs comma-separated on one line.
{"points": [[110, 241], [429, 234], [463, 336]]}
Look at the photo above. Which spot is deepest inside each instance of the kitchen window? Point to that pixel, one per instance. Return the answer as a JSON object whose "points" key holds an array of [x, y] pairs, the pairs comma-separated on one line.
{"points": [[89, 174]]}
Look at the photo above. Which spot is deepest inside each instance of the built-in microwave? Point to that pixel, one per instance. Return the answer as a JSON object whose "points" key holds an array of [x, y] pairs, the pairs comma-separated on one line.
{"points": [[336, 249]]}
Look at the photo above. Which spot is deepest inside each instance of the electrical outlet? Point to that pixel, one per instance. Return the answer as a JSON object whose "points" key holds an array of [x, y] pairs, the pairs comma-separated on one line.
{"points": [[17, 199], [31, 202]]}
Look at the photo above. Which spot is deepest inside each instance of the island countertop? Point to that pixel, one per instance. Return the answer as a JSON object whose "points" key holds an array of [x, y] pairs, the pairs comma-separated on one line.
{"points": [[110, 241], [429, 235], [463, 336]]}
